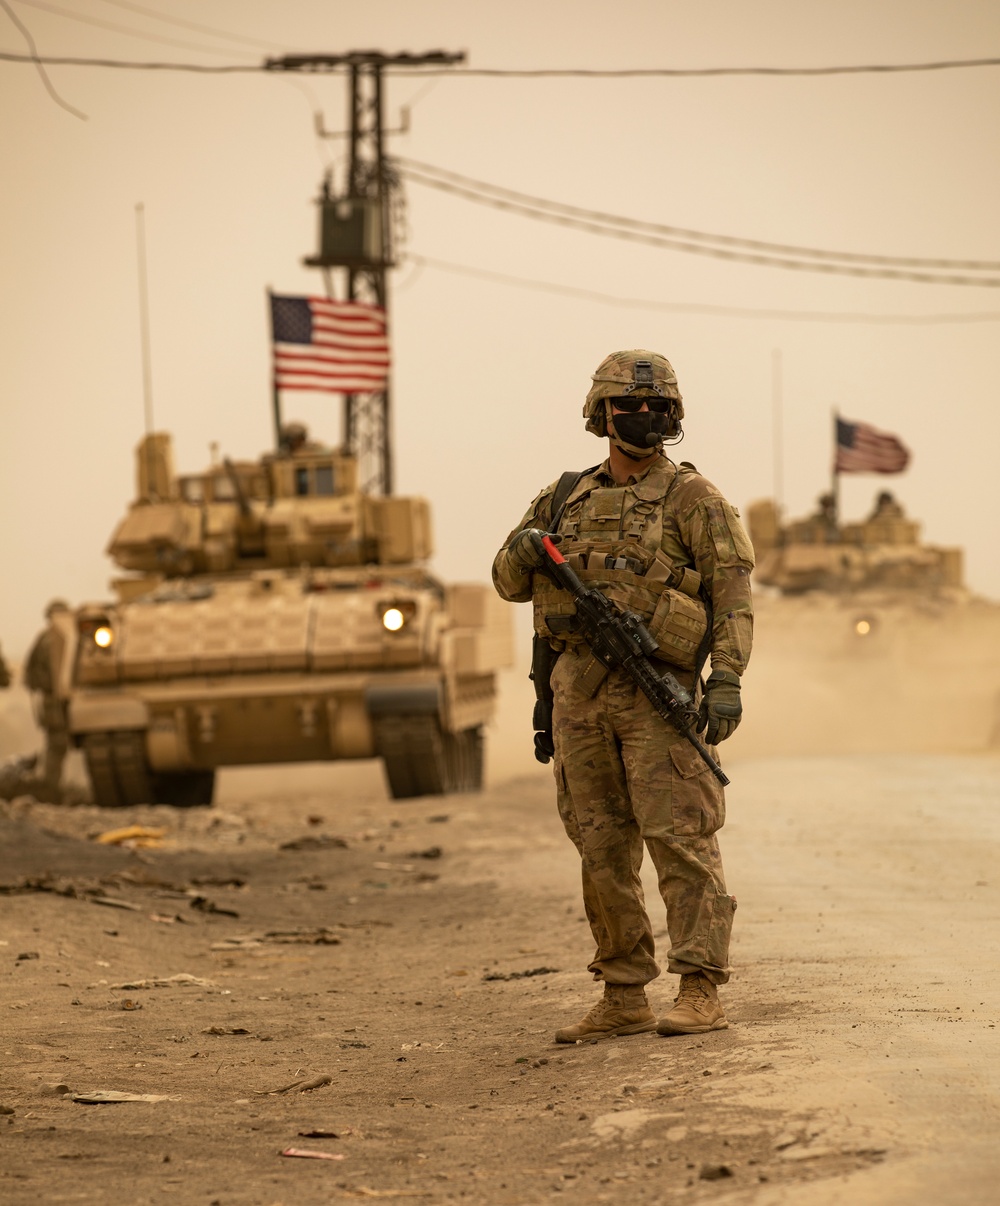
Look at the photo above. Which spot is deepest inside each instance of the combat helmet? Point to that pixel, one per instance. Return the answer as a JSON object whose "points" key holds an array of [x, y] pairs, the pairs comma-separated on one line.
{"points": [[55, 605], [293, 436], [616, 377]]}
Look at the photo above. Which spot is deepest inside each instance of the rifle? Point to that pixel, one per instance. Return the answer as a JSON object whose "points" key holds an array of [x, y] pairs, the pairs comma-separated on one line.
{"points": [[621, 641]]}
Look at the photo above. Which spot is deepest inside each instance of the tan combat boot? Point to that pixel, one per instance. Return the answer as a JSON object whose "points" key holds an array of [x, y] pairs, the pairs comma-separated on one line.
{"points": [[696, 1008], [622, 1010]]}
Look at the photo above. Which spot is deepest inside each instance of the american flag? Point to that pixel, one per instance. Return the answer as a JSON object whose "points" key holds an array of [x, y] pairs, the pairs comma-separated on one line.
{"points": [[336, 346], [862, 449]]}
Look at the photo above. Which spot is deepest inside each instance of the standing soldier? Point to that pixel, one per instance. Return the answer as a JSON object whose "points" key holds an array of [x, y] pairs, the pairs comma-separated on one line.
{"points": [[659, 540], [40, 676]]}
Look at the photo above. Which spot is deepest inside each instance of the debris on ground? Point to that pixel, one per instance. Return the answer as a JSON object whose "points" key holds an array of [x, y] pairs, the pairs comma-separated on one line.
{"points": [[315, 841], [521, 975], [181, 980], [115, 902], [343, 1133], [320, 935], [312, 1155], [136, 837], [205, 905], [43, 883], [298, 1086], [714, 1172], [113, 1097]]}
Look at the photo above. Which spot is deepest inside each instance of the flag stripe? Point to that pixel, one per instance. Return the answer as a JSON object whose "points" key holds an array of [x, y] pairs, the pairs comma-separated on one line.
{"points": [[862, 449], [323, 344], [332, 357], [329, 305], [374, 379], [345, 387], [339, 340]]}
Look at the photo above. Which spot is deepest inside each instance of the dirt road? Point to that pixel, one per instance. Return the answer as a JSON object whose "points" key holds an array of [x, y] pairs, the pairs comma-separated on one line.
{"points": [[388, 950]]}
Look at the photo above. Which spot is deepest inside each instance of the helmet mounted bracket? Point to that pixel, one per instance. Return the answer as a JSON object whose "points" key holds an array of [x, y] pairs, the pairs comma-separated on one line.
{"points": [[643, 375]]}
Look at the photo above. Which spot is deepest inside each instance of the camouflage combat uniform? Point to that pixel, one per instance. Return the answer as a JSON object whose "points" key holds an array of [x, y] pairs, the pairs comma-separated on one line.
{"points": [[625, 777], [39, 676]]}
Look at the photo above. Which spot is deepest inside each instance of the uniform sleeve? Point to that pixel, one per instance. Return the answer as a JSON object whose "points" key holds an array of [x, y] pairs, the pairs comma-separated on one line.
{"points": [[723, 555], [511, 582]]}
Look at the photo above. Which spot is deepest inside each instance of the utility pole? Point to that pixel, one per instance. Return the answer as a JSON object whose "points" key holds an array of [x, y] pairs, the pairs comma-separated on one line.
{"points": [[356, 232]]}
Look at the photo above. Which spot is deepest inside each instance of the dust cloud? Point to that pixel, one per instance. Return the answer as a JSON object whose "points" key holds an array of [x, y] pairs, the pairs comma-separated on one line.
{"points": [[923, 677]]}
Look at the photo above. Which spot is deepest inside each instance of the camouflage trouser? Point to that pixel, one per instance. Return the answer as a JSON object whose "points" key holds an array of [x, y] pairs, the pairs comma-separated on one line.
{"points": [[54, 722], [625, 777]]}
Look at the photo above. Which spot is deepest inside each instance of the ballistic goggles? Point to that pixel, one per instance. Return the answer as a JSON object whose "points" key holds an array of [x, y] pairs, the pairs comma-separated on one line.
{"points": [[630, 404]]}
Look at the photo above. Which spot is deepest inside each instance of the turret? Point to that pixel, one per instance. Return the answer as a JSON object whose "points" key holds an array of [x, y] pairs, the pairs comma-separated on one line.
{"points": [[285, 510]]}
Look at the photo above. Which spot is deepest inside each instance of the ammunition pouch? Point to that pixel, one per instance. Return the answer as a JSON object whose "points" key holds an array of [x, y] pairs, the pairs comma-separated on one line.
{"points": [[665, 597], [678, 626]]}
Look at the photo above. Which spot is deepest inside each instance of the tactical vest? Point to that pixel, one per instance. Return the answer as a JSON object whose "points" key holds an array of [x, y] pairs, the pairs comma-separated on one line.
{"points": [[613, 538]]}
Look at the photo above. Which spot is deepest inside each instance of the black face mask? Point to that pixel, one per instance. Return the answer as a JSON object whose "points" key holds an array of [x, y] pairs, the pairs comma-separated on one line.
{"points": [[643, 430]]}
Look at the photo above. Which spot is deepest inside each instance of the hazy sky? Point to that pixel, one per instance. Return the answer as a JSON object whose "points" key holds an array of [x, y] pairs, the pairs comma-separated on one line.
{"points": [[489, 378]]}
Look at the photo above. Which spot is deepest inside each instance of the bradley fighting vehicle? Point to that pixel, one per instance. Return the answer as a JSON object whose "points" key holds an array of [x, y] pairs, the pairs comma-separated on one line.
{"points": [[281, 610], [866, 639], [819, 553], [276, 613]]}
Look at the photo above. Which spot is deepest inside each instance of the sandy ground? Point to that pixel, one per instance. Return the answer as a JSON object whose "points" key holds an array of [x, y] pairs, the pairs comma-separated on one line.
{"points": [[861, 1066]]}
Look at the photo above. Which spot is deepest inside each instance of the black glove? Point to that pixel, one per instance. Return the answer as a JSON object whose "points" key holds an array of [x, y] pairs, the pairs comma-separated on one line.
{"points": [[525, 551], [721, 710]]}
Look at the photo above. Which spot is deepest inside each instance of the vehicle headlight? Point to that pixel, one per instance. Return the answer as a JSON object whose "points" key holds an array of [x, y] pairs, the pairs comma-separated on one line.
{"points": [[103, 637], [393, 619]]}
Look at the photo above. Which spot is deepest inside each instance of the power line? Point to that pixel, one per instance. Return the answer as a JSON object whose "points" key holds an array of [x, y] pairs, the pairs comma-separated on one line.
{"points": [[638, 303], [49, 87], [560, 207], [195, 68], [122, 29], [719, 253], [195, 25], [680, 72], [514, 73]]}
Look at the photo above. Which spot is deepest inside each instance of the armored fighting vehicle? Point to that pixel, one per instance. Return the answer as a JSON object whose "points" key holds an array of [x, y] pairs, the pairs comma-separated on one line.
{"points": [[819, 553], [273, 612], [866, 639]]}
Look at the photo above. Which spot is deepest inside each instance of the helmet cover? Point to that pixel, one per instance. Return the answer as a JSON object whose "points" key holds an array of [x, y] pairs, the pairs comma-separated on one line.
{"points": [[616, 376]]}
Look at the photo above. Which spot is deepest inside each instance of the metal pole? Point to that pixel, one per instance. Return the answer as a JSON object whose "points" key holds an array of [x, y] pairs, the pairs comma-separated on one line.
{"points": [[833, 471], [354, 84], [777, 429], [147, 372], [367, 416], [381, 278], [275, 393]]}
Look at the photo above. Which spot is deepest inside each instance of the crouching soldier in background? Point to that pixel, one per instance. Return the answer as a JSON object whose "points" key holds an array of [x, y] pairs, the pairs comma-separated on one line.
{"points": [[659, 540]]}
